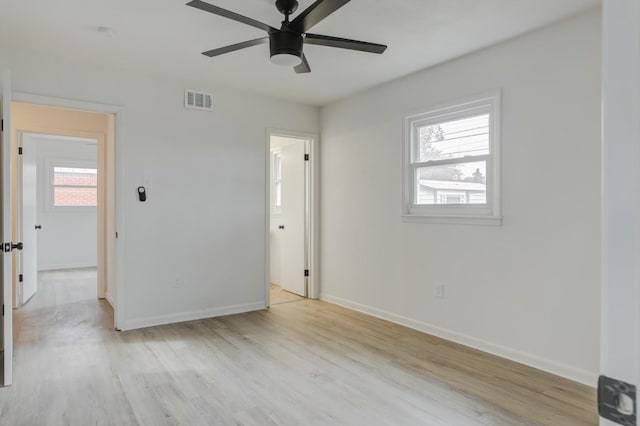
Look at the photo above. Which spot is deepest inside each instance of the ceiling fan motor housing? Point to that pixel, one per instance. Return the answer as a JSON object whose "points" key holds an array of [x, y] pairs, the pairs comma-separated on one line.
{"points": [[286, 7], [286, 43]]}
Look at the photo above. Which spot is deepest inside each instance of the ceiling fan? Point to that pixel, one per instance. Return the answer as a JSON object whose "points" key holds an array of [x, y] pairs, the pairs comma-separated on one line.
{"points": [[287, 42]]}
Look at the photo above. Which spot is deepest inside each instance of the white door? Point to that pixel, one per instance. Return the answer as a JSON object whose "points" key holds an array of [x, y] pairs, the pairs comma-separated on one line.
{"points": [[7, 290], [27, 257], [293, 217], [620, 309]]}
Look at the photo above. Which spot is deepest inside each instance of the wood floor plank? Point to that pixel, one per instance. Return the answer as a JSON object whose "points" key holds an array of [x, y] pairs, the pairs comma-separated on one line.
{"points": [[298, 363]]}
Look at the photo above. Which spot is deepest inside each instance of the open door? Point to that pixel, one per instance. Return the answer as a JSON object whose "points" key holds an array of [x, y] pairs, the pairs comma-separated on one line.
{"points": [[7, 245], [618, 396], [27, 257], [293, 217]]}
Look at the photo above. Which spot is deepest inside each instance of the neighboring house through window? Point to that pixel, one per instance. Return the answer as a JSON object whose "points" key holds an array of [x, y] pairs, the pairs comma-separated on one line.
{"points": [[451, 166], [72, 186]]}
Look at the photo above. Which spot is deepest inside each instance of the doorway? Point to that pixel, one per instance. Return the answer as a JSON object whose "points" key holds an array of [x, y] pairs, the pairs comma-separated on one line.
{"points": [[57, 182], [290, 217], [63, 197]]}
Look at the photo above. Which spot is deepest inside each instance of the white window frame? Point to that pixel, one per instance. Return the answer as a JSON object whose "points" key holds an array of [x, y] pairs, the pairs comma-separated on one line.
{"points": [[275, 207], [49, 205], [470, 214]]}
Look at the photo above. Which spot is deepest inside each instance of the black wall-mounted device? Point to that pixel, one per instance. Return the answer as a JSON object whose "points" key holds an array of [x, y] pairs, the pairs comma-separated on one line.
{"points": [[617, 401], [142, 193]]}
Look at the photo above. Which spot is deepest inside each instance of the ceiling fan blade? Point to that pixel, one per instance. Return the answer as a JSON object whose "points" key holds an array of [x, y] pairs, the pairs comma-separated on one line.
{"points": [[344, 43], [314, 14], [230, 15], [234, 47], [303, 67]]}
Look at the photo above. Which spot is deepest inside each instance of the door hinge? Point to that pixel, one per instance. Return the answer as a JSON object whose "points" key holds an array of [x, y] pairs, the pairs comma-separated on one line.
{"points": [[306, 157], [6, 247], [2, 125], [617, 401], [20, 278], [306, 272], [3, 309], [19, 150], [116, 235]]}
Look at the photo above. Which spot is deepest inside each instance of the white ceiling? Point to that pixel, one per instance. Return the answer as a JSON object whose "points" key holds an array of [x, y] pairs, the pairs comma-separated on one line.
{"points": [[166, 37]]}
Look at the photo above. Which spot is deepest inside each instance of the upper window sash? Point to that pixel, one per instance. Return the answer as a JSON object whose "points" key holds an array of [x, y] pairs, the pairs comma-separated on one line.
{"points": [[442, 118]]}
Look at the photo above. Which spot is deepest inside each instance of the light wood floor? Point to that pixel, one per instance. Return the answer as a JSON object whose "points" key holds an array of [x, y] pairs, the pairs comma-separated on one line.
{"points": [[277, 295], [303, 363]]}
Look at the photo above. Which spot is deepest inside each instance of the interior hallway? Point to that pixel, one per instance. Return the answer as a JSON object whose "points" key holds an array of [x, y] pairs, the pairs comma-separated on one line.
{"points": [[308, 362]]}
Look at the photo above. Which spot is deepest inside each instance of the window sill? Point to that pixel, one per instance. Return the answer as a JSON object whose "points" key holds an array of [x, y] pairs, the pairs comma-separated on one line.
{"points": [[453, 220], [70, 210]]}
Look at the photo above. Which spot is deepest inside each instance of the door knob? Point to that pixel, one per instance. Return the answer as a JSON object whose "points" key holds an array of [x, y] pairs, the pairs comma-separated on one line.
{"points": [[281, 227], [18, 246], [38, 226]]}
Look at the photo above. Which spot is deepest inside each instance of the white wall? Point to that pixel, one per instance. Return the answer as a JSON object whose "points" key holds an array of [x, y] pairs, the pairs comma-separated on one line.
{"points": [[527, 290], [67, 239], [204, 220], [621, 192]]}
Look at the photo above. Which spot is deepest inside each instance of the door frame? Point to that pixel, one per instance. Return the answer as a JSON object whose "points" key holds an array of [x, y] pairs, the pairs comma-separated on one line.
{"points": [[114, 214], [7, 231], [620, 292], [312, 201]]}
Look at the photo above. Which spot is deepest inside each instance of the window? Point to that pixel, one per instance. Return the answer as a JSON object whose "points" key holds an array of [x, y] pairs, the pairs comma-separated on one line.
{"points": [[451, 166], [72, 186], [277, 181]]}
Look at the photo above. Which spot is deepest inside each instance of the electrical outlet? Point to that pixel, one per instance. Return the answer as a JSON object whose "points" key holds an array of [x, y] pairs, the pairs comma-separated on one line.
{"points": [[439, 291]]}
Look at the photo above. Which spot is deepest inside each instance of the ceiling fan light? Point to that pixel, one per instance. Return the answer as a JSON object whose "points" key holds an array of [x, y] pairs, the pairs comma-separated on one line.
{"points": [[286, 59], [286, 48]]}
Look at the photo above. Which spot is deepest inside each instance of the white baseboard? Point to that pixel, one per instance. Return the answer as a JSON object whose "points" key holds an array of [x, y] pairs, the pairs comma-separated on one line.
{"points": [[133, 324], [109, 299], [77, 265], [581, 376]]}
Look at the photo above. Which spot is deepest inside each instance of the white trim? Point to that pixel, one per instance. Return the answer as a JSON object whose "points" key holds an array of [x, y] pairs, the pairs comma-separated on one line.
{"points": [[119, 244], [620, 276], [118, 169], [313, 207], [73, 265], [31, 98], [564, 370], [109, 298], [453, 220], [153, 321], [467, 214], [267, 221], [6, 228]]}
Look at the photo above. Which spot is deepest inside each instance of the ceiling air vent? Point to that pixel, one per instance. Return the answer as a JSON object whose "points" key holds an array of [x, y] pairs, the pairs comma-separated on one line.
{"points": [[198, 100]]}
